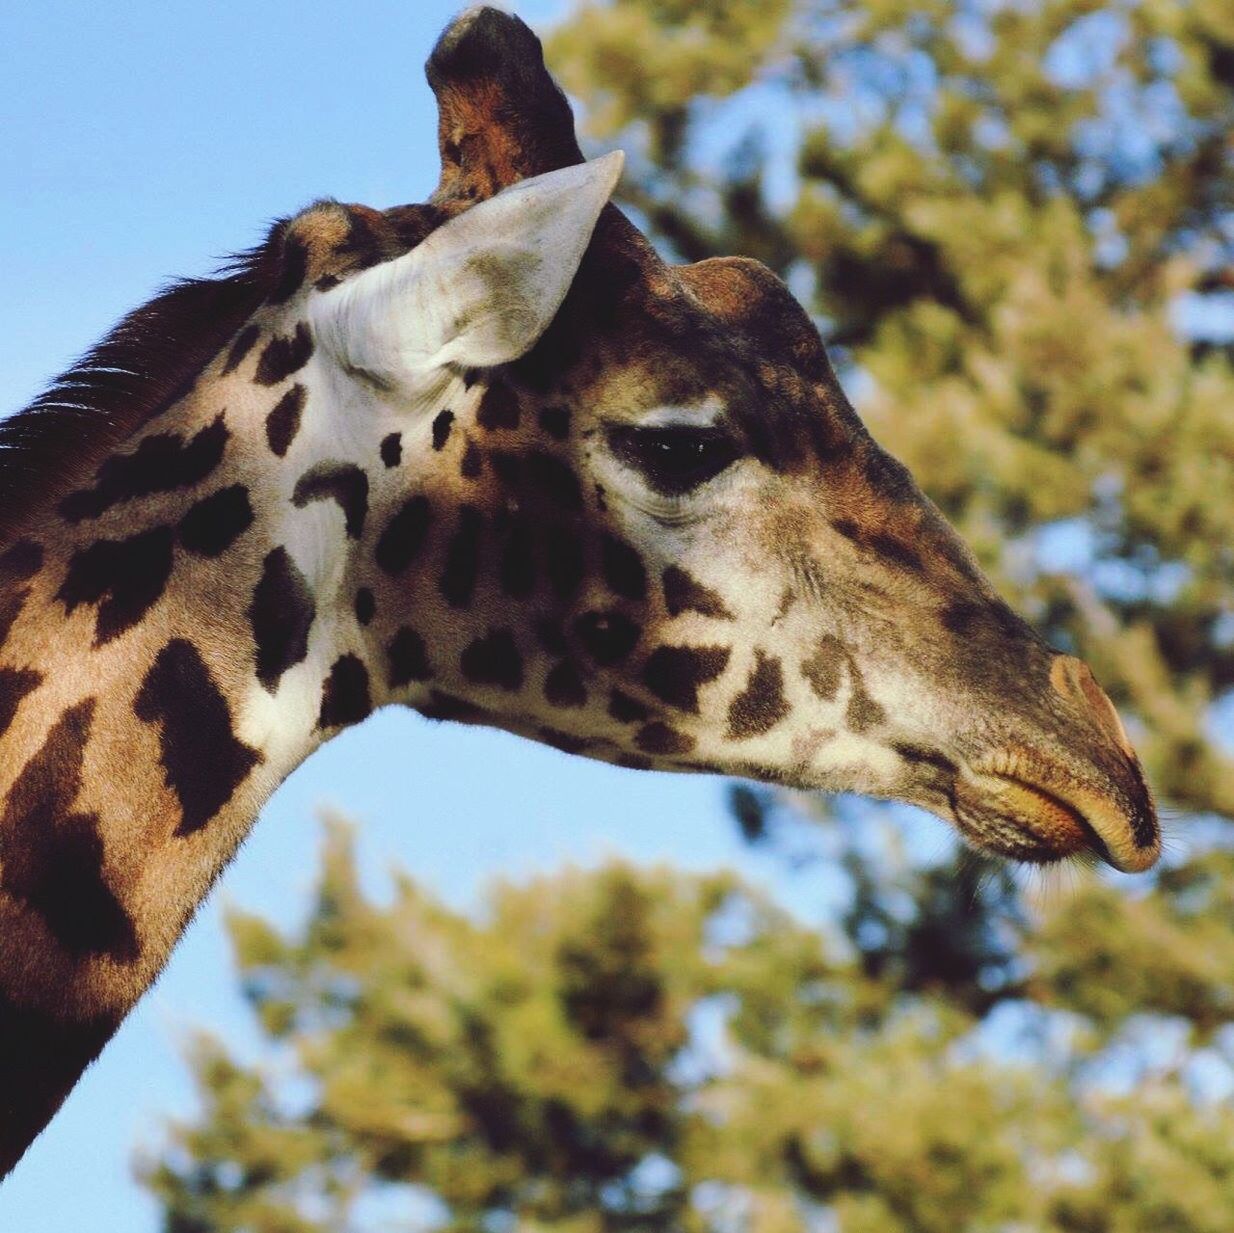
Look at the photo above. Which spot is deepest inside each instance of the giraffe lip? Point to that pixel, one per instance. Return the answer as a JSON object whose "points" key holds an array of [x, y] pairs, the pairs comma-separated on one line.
{"points": [[1053, 820], [1061, 809]]}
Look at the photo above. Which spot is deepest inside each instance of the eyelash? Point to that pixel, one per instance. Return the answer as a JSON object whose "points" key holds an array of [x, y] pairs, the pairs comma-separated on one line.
{"points": [[673, 459]]}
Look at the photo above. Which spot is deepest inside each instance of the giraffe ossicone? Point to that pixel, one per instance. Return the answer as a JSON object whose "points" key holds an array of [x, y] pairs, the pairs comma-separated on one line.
{"points": [[489, 457]]}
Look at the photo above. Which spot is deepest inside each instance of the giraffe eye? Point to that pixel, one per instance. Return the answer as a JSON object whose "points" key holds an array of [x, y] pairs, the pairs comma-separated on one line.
{"points": [[673, 459]]}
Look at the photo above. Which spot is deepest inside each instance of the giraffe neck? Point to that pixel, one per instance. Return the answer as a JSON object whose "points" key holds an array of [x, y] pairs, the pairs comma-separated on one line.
{"points": [[177, 634], [138, 737]]}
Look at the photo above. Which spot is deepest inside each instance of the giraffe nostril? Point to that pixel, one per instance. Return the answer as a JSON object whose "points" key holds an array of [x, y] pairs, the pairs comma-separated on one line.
{"points": [[1073, 680]]}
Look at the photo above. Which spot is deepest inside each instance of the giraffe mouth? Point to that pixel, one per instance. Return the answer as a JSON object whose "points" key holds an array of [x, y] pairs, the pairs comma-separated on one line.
{"points": [[1027, 819]]}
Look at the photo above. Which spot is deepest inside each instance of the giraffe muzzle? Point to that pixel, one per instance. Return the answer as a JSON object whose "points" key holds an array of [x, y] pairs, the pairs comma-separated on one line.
{"points": [[1048, 813], [1080, 790]]}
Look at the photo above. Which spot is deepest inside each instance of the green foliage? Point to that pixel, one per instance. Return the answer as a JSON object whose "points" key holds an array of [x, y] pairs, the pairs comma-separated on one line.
{"points": [[1168, 953], [638, 1049]]}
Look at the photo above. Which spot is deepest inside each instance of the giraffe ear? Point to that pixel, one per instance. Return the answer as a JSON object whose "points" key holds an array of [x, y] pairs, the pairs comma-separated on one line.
{"points": [[480, 290]]}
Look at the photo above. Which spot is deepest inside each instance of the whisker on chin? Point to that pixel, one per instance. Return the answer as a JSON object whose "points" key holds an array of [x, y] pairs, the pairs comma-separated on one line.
{"points": [[1174, 844], [980, 875], [1070, 875], [1048, 886]]}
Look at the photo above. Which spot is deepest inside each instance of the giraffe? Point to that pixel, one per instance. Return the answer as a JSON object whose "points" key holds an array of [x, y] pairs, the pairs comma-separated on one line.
{"points": [[491, 458]]}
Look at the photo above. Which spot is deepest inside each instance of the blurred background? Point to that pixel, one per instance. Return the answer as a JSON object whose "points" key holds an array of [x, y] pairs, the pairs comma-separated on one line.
{"points": [[558, 996]]}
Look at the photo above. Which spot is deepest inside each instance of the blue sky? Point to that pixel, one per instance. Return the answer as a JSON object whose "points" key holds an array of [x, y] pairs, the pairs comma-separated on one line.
{"points": [[140, 140]]}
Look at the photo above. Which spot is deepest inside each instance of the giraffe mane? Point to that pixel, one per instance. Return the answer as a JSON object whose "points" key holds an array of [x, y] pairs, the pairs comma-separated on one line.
{"points": [[147, 362]]}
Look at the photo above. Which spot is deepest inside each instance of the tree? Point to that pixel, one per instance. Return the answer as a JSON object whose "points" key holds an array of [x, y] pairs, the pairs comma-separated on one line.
{"points": [[640, 1049]]}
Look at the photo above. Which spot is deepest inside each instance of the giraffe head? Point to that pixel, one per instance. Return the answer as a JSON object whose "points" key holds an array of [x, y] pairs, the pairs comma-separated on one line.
{"points": [[624, 507], [492, 458]]}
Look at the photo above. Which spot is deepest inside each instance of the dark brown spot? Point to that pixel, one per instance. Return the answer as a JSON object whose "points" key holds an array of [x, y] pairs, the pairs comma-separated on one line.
{"points": [[442, 424], [458, 579], [566, 742], [675, 673], [507, 465], [345, 693], [283, 422], [787, 600], [554, 478], [42, 1057], [494, 660], [203, 762], [1144, 828], [281, 614], [392, 449], [342, 482], [563, 560], [214, 523], [960, 617], [824, 669], [52, 859], [564, 686], [472, 463], [12, 601], [18, 563], [606, 636], [284, 356], [162, 462], [658, 738], [240, 348], [635, 762], [21, 562], [556, 422], [363, 246], [623, 569], [924, 757], [15, 685], [404, 536], [518, 567], [848, 528], [126, 578], [892, 549], [365, 606], [292, 272], [1009, 625], [446, 706], [626, 710], [498, 408], [863, 712], [682, 593], [761, 705], [550, 636], [407, 659]]}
